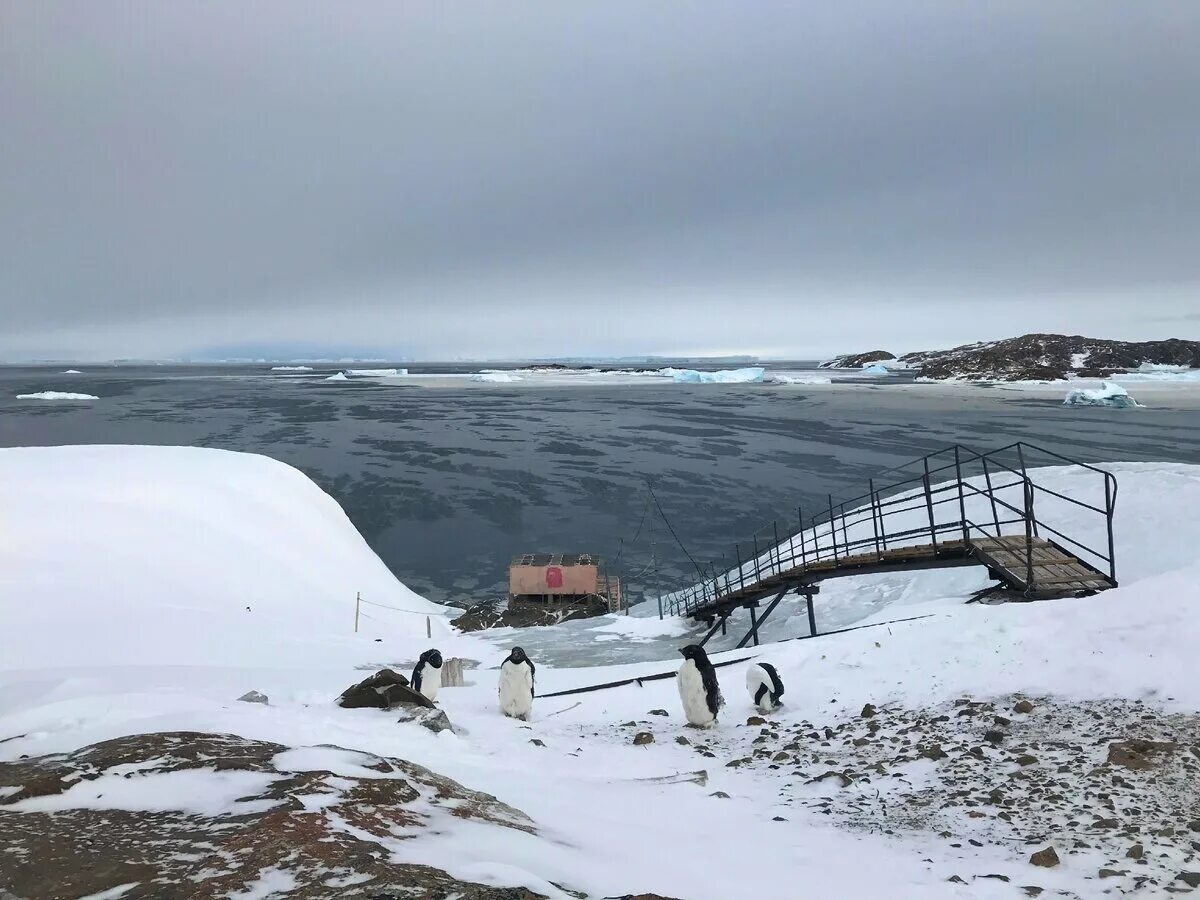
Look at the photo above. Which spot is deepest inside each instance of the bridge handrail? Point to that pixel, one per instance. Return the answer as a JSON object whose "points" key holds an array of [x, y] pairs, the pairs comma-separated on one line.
{"points": [[817, 539]]}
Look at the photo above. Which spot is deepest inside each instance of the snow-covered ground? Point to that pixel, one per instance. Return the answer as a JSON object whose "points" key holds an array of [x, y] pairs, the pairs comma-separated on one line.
{"points": [[125, 574]]}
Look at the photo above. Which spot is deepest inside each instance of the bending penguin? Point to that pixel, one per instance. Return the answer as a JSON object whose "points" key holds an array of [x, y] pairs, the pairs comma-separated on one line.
{"points": [[516, 685], [765, 686], [427, 676], [698, 688]]}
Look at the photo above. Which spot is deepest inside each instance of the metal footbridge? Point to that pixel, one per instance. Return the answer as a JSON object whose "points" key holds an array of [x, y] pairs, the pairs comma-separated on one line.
{"points": [[955, 507]]}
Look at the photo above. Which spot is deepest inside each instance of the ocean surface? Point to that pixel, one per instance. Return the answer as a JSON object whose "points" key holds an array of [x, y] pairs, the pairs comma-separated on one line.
{"points": [[449, 479]]}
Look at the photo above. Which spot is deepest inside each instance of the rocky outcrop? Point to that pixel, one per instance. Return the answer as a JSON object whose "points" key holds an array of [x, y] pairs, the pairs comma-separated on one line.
{"points": [[857, 360], [492, 614], [1047, 357], [319, 821], [383, 690]]}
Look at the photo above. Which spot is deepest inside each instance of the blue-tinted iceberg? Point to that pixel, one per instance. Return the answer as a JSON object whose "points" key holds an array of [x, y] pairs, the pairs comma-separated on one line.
{"points": [[875, 369], [1107, 395], [754, 374]]}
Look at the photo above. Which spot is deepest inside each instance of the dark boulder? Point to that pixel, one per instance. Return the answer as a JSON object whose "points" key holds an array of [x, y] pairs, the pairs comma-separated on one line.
{"points": [[383, 690]]}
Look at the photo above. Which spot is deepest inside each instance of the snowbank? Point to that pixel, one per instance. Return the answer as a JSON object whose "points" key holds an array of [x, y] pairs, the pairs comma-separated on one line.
{"points": [[495, 377], [180, 555], [1107, 395], [751, 375], [56, 395], [291, 368]]}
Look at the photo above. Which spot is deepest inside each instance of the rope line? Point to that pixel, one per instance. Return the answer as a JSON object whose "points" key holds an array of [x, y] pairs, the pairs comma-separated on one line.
{"points": [[670, 528], [415, 612]]}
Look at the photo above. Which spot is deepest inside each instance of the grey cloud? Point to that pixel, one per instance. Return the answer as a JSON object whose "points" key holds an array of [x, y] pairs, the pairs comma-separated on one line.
{"points": [[646, 177]]}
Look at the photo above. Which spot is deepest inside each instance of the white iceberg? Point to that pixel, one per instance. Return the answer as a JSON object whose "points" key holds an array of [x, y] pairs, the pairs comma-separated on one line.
{"points": [[56, 395], [751, 375], [340, 376], [376, 373], [72, 372], [495, 377], [1108, 395], [291, 368]]}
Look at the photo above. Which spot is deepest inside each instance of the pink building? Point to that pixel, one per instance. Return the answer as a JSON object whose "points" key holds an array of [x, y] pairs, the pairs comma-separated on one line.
{"points": [[562, 579]]}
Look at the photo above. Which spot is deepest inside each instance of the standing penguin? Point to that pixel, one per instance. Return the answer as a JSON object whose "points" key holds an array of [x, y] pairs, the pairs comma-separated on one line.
{"points": [[698, 688], [516, 685], [427, 675], [765, 686]]}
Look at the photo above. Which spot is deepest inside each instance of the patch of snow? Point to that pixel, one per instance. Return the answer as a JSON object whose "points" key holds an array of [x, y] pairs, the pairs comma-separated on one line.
{"points": [[202, 792], [1079, 360], [337, 376], [750, 375], [271, 882], [291, 368], [495, 377], [1108, 394], [113, 893], [56, 395]]}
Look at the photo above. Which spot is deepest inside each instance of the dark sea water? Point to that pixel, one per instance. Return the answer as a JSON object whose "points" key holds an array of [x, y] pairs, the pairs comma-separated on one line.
{"points": [[448, 482]]}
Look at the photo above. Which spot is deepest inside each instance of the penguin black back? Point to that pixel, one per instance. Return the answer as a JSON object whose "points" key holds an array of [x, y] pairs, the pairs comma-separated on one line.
{"points": [[776, 684], [708, 675]]}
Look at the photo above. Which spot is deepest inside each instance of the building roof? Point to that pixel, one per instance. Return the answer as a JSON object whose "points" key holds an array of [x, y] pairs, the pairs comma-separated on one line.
{"points": [[556, 559]]}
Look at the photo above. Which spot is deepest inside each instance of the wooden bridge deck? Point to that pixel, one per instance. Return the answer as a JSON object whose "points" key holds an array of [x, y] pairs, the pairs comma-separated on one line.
{"points": [[1056, 572]]}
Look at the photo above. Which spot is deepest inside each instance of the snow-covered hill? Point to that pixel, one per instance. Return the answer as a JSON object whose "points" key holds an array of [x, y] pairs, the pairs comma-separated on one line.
{"points": [[932, 791]]}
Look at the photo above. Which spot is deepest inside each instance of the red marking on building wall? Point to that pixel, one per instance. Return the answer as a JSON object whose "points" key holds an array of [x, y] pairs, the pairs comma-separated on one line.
{"points": [[554, 577]]}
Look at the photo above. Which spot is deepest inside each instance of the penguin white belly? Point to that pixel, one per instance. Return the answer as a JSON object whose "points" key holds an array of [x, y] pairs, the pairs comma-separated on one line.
{"points": [[516, 690], [431, 682], [691, 693]]}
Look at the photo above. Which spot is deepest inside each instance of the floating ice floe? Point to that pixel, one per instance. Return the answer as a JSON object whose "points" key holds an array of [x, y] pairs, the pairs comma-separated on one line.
{"points": [[375, 373], [340, 376], [56, 395], [751, 375], [875, 369], [495, 377], [72, 372], [1108, 395], [798, 379], [1161, 372], [291, 368]]}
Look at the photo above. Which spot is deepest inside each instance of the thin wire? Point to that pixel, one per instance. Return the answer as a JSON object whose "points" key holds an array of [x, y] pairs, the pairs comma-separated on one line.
{"points": [[415, 612], [638, 533], [671, 529]]}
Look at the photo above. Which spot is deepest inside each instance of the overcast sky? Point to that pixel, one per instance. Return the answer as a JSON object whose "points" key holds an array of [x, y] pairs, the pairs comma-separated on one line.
{"points": [[505, 179]]}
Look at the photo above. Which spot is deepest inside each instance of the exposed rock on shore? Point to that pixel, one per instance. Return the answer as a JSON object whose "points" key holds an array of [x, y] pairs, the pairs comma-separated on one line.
{"points": [[492, 614], [1047, 357], [197, 816], [857, 360]]}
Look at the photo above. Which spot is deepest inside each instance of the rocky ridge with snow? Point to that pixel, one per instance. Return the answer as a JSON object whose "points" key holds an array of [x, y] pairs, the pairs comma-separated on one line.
{"points": [[1050, 357], [857, 360]]}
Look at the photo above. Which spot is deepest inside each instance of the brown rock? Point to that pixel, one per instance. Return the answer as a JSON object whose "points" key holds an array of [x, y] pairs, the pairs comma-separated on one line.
{"points": [[1032, 890], [1138, 754], [1047, 858], [383, 690], [1135, 852], [643, 737], [1112, 873], [1023, 706], [1191, 879], [658, 712], [756, 720], [868, 711]]}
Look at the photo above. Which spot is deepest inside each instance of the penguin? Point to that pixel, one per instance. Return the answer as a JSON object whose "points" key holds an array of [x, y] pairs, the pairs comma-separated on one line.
{"points": [[516, 685], [427, 676], [765, 686], [698, 688]]}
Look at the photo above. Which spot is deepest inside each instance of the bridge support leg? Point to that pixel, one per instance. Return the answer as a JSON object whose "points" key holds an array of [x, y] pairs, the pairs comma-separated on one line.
{"points": [[756, 622], [812, 619], [723, 620], [720, 623]]}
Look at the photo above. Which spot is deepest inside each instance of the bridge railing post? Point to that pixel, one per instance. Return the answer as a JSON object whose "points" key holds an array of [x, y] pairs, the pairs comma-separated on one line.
{"points": [[833, 530], [1028, 481], [987, 474], [962, 500], [1028, 535], [845, 535], [929, 507], [741, 575], [1109, 500], [803, 542], [775, 526], [876, 513]]}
